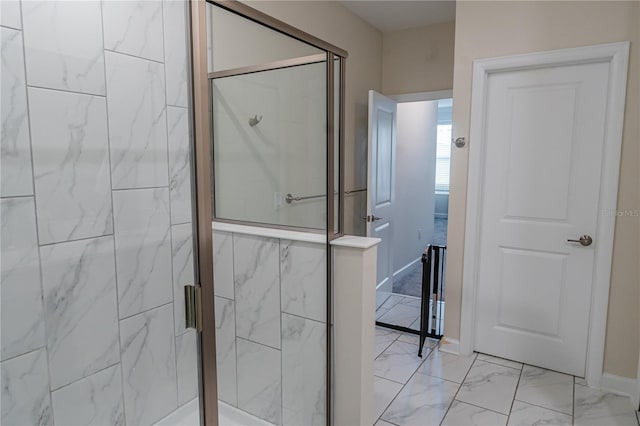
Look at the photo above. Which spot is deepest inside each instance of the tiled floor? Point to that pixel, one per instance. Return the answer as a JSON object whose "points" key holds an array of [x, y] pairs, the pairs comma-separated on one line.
{"points": [[401, 310], [446, 389]]}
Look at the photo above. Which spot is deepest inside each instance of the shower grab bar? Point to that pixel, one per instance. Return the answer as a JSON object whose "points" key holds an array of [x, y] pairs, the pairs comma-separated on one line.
{"points": [[290, 198]]}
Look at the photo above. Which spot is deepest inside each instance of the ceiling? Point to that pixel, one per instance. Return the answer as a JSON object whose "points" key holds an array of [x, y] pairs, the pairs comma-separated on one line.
{"points": [[395, 15]]}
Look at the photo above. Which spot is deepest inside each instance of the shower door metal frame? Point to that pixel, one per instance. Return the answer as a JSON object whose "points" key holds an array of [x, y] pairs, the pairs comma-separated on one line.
{"points": [[202, 130]]}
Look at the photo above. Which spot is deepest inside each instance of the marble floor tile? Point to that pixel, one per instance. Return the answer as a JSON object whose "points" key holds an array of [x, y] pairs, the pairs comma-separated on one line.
{"points": [[423, 401], [546, 389], [383, 423], [25, 396], [447, 366], [381, 297], [398, 362], [523, 414], [10, 14], [500, 361], [380, 312], [415, 339], [580, 381], [95, 400], [384, 338], [392, 301], [463, 414], [259, 380], [490, 386], [401, 314], [596, 408], [416, 302], [383, 393]]}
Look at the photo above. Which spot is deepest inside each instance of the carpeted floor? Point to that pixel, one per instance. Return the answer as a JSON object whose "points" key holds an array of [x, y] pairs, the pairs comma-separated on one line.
{"points": [[411, 283]]}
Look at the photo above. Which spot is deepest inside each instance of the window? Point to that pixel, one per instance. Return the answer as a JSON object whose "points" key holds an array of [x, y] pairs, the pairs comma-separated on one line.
{"points": [[443, 145]]}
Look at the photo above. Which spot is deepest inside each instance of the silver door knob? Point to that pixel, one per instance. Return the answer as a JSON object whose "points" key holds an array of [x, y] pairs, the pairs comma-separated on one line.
{"points": [[585, 240], [371, 218]]}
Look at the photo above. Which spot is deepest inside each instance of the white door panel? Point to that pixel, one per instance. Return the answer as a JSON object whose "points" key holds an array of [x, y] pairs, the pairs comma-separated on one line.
{"points": [[381, 179], [544, 133]]}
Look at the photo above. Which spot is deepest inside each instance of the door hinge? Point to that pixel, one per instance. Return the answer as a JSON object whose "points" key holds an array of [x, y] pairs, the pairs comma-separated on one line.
{"points": [[193, 306]]}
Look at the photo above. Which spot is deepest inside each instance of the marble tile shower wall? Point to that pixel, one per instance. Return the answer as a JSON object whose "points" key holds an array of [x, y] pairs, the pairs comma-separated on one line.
{"points": [[271, 327], [96, 212]]}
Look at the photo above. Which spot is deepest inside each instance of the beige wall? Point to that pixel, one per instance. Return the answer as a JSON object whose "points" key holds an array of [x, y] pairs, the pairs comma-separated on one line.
{"points": [[418, 59], [334, 23], [489, 29]]}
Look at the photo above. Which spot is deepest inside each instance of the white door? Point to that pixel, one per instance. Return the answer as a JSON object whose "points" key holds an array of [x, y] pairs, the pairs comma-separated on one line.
{"points": [[544, 138], [381, 180]]}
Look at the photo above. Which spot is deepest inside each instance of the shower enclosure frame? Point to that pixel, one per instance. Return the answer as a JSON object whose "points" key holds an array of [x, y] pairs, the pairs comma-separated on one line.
{"points": [[201, 122]]}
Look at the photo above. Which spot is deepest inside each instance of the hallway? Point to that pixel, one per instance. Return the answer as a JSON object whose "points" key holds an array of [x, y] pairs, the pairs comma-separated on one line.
{"points": [[446, 389]]}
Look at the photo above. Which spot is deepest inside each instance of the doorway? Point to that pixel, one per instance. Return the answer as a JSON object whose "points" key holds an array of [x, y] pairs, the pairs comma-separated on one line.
{"points": [[409, 163]]}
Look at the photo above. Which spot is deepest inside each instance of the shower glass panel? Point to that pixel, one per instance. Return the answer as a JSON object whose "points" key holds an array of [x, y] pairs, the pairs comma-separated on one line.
{"points": [[269, 131], [276, 140]]}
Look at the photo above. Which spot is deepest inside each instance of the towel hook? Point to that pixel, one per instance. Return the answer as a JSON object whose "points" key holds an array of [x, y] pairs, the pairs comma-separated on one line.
{"points": [[254, 120]]}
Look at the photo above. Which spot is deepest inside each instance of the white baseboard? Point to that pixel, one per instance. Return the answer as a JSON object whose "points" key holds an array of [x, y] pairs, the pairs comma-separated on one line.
{"points": [[450, 346], [622, 386]]}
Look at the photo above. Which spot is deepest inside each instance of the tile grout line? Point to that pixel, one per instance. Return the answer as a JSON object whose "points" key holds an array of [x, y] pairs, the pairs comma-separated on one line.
{"points": [[515, 391], [404, 385], [459, 387]]}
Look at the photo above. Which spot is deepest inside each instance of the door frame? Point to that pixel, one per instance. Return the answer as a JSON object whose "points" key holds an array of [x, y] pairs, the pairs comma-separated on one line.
{"points": [[617, 56]]}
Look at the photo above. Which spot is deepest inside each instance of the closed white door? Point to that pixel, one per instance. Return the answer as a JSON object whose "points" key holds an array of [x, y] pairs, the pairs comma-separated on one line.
{"points": [[381, 180], [544, 138]]}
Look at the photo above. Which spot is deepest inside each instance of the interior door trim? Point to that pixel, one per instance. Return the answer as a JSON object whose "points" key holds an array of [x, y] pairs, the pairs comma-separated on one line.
{"points": [[617, 56]]}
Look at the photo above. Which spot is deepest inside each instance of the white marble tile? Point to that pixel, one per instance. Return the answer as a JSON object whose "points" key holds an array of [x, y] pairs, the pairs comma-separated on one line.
{"points": [[223, 264], [303, 279], [70, 165], [148, 365], [384, 338], [187, 366], [523, 414], [423, 401], [182, 258], [15, 161], [137, 122], [383, 423], [25, 390], [134, 27], [461, 413], [415, 339], [380, 312], [257, 289], [500, 361], [490, 386], [176, 51], [383, 393], [447, 366], [416, 302], [179, 163], [10, 14], [381, 297], [226, 350], [80, 307], [398, 362], [143, 249], [546, 389], [303, 371], [94, 400], [259, 381], [401, 314], [63, 45], [596, 408], [392, 301], [22, 323]]}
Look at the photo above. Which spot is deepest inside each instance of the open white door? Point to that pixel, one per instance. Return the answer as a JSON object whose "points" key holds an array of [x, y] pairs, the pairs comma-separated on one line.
{"points": [[381, 180]]}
